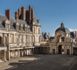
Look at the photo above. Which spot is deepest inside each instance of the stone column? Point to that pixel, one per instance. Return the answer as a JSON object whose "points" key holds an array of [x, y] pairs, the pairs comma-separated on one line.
{"points": [[8, 47], [56, 49]]}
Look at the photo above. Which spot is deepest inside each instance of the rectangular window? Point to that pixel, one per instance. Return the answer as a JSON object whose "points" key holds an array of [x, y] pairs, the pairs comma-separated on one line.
{"points": [[31, 40], [12, 38], [17, 38], [21, 39], [28, 39]]}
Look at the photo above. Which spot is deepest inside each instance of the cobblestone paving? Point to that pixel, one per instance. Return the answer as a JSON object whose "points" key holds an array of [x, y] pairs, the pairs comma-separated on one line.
{"points": [[45, 62]]}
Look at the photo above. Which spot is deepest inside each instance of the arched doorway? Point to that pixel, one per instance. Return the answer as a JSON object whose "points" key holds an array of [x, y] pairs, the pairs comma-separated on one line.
{"points": [[60, 49]]}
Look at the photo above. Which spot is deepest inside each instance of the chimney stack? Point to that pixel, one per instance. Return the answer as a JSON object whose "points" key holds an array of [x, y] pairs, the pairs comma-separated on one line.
{"points": [[16, 16], [49, 34], [23, 13], [30, 14], [46, 33], [8, 14], [19, 13], [32, 9]]}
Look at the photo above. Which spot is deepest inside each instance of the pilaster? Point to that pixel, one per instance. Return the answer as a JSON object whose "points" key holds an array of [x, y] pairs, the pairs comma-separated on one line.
{"points": [[8, 47]]}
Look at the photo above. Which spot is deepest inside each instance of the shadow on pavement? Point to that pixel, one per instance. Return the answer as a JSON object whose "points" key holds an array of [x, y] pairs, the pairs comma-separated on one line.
{"points": [[23, 62], [46, 62]]}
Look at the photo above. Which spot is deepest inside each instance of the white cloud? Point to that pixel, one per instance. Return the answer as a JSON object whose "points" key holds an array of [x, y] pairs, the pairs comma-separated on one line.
{"points": [[72, 30]]}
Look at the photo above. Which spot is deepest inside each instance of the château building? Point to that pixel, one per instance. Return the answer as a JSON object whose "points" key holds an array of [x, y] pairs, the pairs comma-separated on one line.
{"points": [[62, 43], [19, 36]]}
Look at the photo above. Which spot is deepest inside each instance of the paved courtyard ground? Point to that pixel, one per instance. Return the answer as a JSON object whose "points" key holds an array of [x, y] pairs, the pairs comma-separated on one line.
{"points": [[41, 62]]}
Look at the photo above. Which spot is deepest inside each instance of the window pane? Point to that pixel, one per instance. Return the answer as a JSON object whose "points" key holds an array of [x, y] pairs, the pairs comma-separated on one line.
{"points": [[17, 38]]}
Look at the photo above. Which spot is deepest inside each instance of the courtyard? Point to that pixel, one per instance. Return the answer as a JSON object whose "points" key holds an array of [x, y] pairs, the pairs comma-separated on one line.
{"points": [[41, 62]]}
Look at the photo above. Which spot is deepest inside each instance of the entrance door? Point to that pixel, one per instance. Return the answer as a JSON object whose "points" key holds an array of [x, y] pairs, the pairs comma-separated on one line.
{"points": [[68, 51], [60, 49], [53, 51], [75, 51]]}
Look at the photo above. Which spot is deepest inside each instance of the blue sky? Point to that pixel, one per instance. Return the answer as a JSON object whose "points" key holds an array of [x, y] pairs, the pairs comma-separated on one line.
{"points": [[50, 12]]}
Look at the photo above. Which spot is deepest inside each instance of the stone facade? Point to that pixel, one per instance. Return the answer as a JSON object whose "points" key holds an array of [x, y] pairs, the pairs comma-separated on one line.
{"points": [[62, 42], [19, 36]]}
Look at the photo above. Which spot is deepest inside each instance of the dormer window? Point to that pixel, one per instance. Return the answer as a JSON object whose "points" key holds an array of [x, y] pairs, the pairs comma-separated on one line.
{"points": [[7, 24], [17, 26], [21, 27]]}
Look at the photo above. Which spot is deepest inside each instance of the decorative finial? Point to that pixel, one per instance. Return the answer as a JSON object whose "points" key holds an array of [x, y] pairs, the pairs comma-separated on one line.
{"points": [[62, 25]]}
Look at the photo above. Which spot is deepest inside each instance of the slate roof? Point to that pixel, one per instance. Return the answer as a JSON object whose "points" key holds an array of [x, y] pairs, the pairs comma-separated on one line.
{"points": [[2, 19], [35, 20], [66, 30], [13, 21], [62, 28]]}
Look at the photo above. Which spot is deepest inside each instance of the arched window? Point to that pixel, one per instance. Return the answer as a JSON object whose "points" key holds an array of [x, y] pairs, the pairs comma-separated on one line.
{"points": [[62, 38]]}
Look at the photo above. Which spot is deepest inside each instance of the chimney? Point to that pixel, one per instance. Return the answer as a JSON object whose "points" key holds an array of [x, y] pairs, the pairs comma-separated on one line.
{"points": [[32, 9], [30, 14], [19, 13], [23, 13], [8, 14], [48, 34], [16, 16]]}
